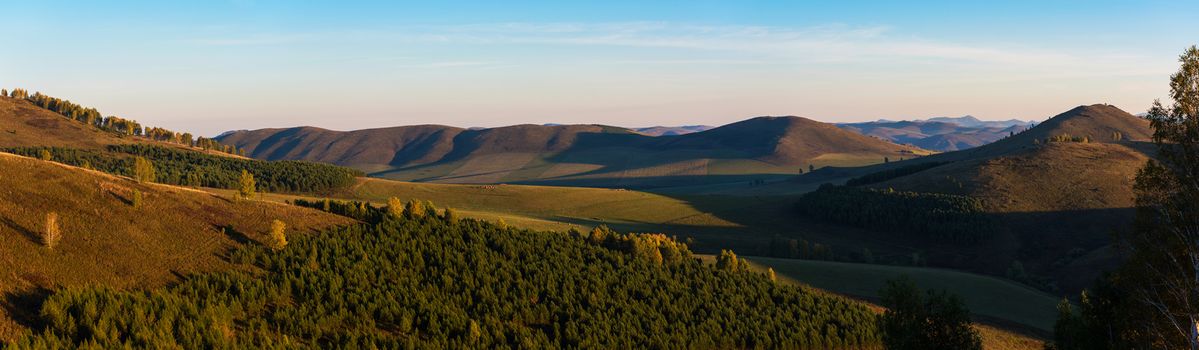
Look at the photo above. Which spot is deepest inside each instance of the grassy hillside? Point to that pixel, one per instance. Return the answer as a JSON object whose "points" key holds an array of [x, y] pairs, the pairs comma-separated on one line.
{"points": [[1010, 314], [1056, 192], [23, 124], [428, 280], [578, 155], [106, 241], [994, 298]]}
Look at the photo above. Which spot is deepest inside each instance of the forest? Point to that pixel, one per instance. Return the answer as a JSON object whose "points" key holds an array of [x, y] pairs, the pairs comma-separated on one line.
{"points": [[189, 168], [418, 277], [888, 174], [958, 219]]}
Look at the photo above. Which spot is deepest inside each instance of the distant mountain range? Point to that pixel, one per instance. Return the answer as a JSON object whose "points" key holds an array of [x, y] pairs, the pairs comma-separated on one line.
{"points": [[580, 155], [940, 133], [673, 130]]}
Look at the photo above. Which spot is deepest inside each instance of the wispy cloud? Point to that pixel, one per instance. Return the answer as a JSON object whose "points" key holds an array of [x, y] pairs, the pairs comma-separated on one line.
{"points": [[819, 44]]}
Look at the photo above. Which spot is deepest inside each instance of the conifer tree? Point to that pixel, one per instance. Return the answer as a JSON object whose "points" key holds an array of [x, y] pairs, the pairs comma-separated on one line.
{"points": [[925, 321]]}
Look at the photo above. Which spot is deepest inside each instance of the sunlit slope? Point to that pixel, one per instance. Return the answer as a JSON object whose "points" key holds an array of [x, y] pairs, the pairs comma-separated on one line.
{"points": [[23, 124], [106, 241]]}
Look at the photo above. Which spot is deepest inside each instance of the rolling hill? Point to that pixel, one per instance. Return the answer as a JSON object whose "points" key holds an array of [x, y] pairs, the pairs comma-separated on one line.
{"points": [[1057, 197], [24, 124], [107, 241], [580, 155]]}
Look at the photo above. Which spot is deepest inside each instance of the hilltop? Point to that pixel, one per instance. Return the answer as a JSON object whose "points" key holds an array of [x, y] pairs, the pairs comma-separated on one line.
{"points": [[1058, 189], [107, 241], [587, 155]]}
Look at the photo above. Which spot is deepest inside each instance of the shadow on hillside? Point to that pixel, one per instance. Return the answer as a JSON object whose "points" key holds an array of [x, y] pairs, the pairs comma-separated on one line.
{"points": [[650, 183], [235, 235], [24, 306], [1066, 246], [29, 234], [123, 199]]}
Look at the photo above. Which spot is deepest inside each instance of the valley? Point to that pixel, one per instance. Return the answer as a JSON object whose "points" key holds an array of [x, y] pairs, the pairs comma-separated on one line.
{"points": [[750, 214]]}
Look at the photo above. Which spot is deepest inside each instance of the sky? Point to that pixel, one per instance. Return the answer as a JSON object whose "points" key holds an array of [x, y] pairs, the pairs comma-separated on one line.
{"points": [[212, 66]]}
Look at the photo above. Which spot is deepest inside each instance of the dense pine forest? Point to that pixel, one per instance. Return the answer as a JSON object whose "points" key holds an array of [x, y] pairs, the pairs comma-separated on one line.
{"points": [[419, 278], [188, 168], [929, 215]]}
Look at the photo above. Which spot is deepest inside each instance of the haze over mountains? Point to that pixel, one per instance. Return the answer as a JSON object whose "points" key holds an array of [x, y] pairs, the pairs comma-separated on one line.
{"points": [[588, 155], [672, 130], [940, 133]]}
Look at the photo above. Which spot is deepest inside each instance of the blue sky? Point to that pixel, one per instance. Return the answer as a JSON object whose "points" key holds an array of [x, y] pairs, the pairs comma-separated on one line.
{"points": [[210, 66]]}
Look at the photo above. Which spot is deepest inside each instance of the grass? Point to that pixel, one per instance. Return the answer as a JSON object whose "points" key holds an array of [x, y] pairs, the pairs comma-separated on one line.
{"points": [[744, 223], [183, 237], [106, 241], [987, 296], [860, 281]]}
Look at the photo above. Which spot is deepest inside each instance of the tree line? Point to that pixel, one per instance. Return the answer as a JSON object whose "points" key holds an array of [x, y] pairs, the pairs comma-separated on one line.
{"points": [[188, 168], [418, 277], [938, 216], [91, 116], [888, 174]]}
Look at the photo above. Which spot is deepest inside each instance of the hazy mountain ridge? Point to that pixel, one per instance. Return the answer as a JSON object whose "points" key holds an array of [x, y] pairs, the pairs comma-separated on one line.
{"points": [[673, 130], [940, 133]]}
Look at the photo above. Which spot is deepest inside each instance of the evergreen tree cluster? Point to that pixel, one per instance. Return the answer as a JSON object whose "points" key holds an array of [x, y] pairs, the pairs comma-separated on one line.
{"points": [[188, 168], [925, 320], [938, 216], [799, 249], [424, 282], [888, 174]]}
